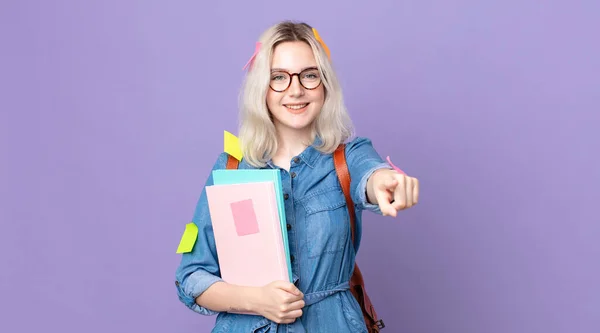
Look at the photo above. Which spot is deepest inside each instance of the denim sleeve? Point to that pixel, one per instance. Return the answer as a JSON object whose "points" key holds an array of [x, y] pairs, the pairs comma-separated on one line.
{"points": [[199, 269], [363, 160]]}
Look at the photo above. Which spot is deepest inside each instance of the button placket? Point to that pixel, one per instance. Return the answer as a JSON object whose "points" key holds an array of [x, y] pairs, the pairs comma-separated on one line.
{"points": [[287, 196]]}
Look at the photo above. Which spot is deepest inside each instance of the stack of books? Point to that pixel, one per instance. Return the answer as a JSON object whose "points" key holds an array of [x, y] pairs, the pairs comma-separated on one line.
{"points": [[249, 224]]}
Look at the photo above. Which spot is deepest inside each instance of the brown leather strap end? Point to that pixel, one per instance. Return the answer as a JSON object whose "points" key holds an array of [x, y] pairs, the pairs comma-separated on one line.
{"points": [[232, 162]]}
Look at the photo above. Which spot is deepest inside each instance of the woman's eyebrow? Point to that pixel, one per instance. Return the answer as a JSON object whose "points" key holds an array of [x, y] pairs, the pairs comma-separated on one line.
{"points": [[286, 70]]}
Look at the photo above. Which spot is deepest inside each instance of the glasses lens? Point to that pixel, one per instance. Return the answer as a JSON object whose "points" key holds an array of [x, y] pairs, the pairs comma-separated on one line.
{"points": [[310, 78], [280, 81]]}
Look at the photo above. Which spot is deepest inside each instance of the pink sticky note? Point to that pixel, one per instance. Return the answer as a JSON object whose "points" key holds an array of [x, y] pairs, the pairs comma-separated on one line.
{"points": [[244, 217], [256, 50], [395, 167]]}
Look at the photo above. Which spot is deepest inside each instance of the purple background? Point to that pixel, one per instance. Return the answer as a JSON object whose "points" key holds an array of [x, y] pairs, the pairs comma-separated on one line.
{"points": [[107, 110]]}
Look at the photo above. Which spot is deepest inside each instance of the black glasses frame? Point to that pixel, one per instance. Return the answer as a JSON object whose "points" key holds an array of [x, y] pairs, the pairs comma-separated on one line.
{"points": [[300, 81]]}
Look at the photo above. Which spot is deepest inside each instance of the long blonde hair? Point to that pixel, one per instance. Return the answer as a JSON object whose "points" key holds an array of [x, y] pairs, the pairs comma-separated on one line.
{"points": [[257, 132]]}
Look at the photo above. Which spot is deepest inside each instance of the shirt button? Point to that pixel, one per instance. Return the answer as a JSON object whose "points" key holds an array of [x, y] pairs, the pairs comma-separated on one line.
{"points": [[293, 174], [286, 196], [289, 227], [296, 159]]}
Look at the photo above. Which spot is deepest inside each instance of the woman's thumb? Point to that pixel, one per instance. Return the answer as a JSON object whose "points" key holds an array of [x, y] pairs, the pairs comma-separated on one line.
{"points": [[290, 288]]}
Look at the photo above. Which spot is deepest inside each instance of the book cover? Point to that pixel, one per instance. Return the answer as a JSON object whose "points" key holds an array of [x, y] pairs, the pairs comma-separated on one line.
{"points": [[247, 233], [238, 176]]}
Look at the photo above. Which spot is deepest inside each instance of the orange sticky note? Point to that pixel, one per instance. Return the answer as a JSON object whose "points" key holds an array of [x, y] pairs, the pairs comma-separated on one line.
{"points": [[188, 239], [232, 146], [318, 38]]}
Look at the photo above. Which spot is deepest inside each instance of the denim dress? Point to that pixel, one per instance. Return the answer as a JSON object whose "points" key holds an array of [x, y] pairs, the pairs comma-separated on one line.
{"points": [[320, 244]]}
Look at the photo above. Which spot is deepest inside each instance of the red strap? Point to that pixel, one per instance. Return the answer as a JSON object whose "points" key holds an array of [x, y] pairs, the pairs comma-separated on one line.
{"points": [[341, 167], [357, 283], [232, 162]]}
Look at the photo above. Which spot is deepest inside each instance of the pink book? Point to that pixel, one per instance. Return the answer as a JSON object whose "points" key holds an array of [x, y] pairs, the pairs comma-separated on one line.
{"points": [[248, 233]]}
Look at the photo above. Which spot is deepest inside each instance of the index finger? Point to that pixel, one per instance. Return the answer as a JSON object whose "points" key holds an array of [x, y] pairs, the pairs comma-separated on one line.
{"points": [[383, 200]]}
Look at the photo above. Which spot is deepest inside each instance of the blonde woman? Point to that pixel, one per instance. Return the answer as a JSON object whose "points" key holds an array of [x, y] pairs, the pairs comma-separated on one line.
{"points": [[292, 119]]}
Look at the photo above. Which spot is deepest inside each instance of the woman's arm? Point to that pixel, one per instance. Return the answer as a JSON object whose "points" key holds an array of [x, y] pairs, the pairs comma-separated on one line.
{"points": [[201, 288], [225, 297], [363, 161], [375, 185], [199, 268], [279, 301]]}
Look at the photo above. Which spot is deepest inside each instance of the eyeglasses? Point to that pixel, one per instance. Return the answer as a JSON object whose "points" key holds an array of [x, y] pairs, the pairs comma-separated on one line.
{"points": [[309, 78]]}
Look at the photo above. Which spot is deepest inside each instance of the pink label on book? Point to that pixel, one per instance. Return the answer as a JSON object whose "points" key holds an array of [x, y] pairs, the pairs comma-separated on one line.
{"points": [[244, 217]]}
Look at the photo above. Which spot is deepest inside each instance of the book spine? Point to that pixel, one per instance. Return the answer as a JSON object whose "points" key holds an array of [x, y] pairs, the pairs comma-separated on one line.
{"points": [[277, 230]]}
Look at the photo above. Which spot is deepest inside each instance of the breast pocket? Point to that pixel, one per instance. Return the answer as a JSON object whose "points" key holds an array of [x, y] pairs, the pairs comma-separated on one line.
{"points": [[327, 222]]}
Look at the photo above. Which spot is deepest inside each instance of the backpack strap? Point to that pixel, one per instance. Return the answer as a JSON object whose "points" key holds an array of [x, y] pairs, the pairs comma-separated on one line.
{"points": [[232, 162], [341, 168], [357, 284]]}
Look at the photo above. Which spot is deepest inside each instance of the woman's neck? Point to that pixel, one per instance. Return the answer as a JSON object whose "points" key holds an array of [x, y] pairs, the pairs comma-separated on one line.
{"points": [[290, 143]]}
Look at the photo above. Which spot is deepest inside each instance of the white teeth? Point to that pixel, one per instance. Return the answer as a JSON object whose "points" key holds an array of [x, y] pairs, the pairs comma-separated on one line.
{"points": [[296, 107]]}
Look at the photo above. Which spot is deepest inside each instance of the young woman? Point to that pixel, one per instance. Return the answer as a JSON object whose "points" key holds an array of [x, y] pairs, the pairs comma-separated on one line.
{"points": [[292, 119]]}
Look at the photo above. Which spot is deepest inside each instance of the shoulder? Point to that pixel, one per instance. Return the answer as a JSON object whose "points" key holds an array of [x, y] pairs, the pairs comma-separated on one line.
{"points": [[223, 158], [362, 157], [221, 161], [359, 144]]}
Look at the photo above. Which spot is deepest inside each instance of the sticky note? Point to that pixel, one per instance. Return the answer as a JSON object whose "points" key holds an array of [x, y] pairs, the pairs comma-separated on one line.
{"points": [[318, 38], [232, 146], [395, 167], [256, 50], [188, 239], [244, 217]]}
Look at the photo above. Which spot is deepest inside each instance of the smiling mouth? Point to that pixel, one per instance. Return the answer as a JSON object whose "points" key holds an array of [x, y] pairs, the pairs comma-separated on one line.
{"points": [[296, 107]]}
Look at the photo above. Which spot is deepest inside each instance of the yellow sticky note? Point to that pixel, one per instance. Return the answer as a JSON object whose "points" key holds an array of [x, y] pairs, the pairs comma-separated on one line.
{"points": [[232, 146], [188, 239]]}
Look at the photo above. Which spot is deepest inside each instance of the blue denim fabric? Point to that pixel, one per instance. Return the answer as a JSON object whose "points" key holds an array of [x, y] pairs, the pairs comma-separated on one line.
{"points": [[319, 240]]}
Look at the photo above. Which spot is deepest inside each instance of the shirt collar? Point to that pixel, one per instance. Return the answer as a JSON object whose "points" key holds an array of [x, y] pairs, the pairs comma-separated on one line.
{"points": [[308, 156], [311, 154]]}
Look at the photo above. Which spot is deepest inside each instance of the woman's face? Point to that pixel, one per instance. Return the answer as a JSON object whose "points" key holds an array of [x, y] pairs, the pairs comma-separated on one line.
{"points": [[295, 106]]}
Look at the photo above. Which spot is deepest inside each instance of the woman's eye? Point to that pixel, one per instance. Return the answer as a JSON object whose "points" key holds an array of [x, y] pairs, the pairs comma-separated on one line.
{"points": [[278, 78], [311, 76]]}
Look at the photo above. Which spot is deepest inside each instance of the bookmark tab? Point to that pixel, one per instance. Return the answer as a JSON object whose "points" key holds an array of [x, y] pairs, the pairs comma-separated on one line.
{"points": [[232, 146], [188, 239], [320, 40], [395, 167], [251, 61]]}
